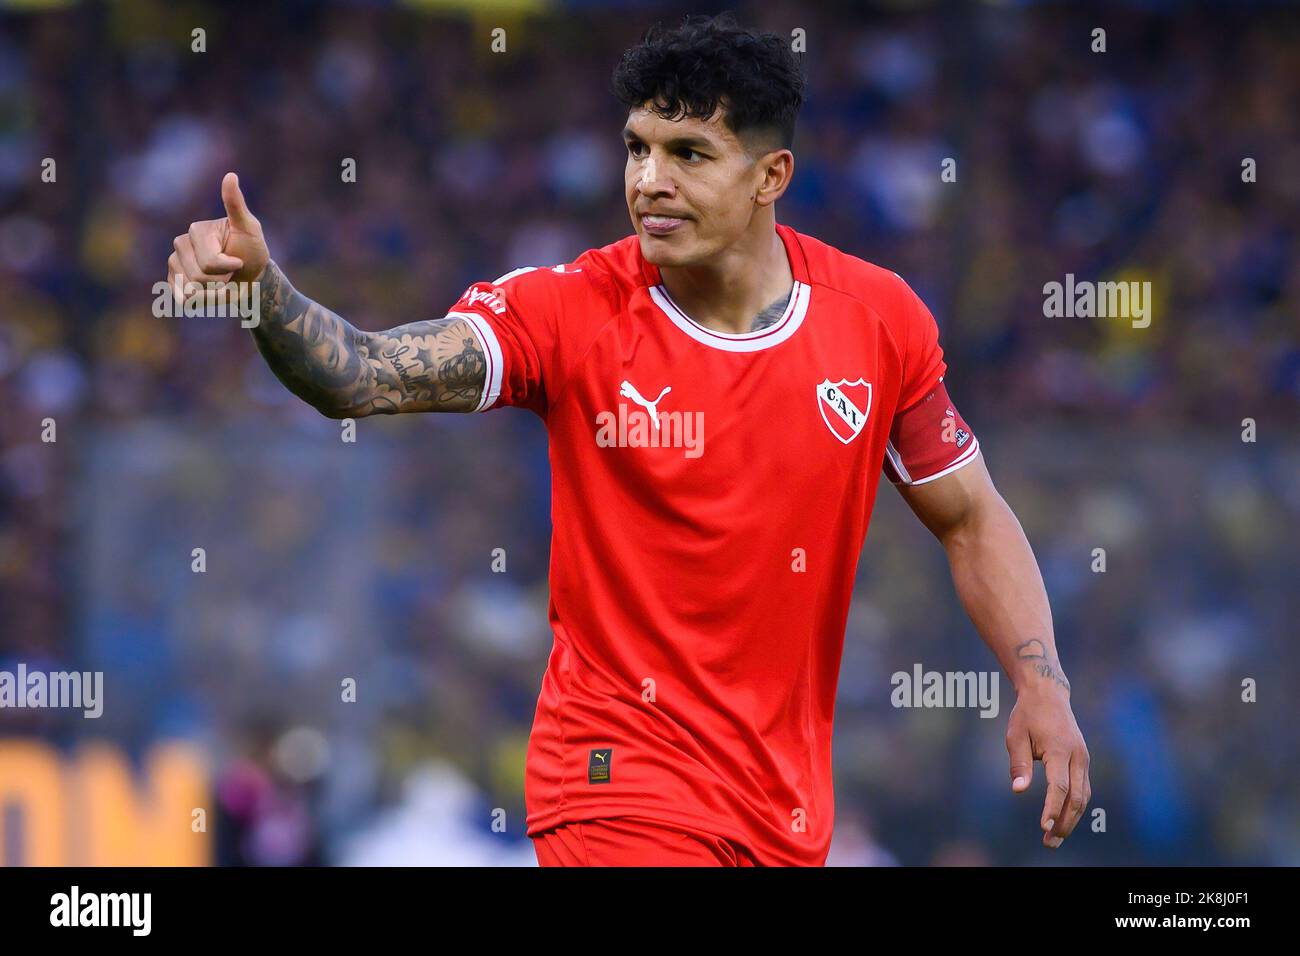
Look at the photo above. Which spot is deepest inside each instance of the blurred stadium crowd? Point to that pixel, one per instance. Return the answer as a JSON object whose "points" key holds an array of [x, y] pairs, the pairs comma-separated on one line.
{"points": [[372, 561]]}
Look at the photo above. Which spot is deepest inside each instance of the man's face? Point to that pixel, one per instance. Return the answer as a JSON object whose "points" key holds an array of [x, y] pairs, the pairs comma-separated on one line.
{"points": [[697, 176]]}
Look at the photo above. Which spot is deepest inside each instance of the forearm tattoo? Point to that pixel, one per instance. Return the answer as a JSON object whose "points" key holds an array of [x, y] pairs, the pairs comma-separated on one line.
{"points": [[1035, 652], [435, 365]]}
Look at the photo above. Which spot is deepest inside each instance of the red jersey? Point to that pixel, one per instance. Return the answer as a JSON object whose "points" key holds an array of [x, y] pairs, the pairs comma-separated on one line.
{"points": [[710, 498]]}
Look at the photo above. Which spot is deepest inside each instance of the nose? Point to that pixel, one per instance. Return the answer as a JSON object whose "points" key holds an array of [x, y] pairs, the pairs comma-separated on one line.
{"points": [[649, 184]]}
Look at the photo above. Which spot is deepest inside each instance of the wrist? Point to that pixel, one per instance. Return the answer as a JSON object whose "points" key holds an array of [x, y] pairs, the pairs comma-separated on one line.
{"points": [[255, 271], [1040, 679]]}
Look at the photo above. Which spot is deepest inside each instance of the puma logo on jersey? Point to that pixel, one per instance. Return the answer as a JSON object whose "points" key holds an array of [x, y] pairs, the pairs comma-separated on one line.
{"points": [[633, 428], [598, 765], [628, 390]]}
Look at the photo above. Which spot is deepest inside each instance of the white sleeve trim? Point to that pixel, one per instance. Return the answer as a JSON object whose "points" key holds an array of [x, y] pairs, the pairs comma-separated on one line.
{"points": [[897, 461], [961, 462], [512, 273], [492, 358]]}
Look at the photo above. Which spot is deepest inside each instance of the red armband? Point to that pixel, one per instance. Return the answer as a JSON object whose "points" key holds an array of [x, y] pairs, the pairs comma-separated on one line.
{"points": [[928, 440]]}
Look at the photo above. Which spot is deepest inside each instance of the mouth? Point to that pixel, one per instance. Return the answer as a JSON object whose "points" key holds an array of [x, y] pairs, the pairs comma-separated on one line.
{"points": [[661, 225]]}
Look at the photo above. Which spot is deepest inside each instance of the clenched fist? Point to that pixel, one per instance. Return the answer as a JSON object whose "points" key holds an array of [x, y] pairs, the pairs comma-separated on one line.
{"points": [[220, 250]]}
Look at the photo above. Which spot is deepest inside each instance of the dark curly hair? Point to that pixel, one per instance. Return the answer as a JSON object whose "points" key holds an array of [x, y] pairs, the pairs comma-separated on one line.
{"points": [[692, 68]]}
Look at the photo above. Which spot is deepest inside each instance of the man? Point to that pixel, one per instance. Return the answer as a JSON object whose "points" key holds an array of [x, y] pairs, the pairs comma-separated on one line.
{"points": [[721, 394]]}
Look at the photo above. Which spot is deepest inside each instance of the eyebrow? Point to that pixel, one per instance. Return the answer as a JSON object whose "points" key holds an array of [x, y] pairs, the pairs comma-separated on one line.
{"points": [[689, 142]]}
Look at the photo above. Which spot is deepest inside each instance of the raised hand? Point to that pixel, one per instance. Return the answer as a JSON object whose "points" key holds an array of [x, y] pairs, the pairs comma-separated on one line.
{"points": [[231, 249]]}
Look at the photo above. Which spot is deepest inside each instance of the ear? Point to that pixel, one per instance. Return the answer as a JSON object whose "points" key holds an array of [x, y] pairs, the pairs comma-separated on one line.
{"points": [[778, 171]]}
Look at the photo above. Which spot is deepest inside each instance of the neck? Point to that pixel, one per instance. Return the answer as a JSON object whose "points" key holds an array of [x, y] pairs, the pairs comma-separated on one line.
{"points": [[727, 293]]}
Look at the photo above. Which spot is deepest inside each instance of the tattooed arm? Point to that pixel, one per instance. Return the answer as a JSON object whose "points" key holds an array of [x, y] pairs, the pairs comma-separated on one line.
{"points": [[1000, 587], [433, 366], [343, 372], [995, 573], [1042, 661]]}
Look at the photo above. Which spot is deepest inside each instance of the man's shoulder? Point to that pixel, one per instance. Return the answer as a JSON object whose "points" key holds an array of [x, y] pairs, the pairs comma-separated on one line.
{"points": [[849, 274], [618, 263], [604, 272], [562, 299], [864, 288]]}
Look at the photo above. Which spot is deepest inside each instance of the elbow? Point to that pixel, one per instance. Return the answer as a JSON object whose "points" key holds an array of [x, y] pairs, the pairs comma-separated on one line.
{"points": [[988, 518], [969, 522], [957, 538], [331, 407], [340, 412]]}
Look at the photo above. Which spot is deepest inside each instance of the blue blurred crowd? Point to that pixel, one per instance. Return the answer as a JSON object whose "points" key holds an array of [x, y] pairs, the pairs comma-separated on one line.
{"points": [[327, 560]]}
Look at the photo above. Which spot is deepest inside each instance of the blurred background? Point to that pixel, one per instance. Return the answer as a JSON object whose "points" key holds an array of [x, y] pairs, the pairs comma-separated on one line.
{"points": [[326, 561]]}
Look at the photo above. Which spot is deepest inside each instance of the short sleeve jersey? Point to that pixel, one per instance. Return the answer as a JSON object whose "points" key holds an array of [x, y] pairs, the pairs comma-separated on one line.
{"points": [[711, 494]]}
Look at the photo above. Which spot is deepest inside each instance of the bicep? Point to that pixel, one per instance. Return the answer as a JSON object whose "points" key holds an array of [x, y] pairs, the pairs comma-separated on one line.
{"points": [[945, 504], [436, 365]]}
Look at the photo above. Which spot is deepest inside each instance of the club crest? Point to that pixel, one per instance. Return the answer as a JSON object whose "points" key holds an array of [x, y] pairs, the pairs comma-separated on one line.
{"points": [[844, 406]]}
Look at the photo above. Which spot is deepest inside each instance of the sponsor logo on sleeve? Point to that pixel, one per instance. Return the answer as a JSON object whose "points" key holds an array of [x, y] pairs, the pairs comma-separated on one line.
{"points": [[494, 299]]}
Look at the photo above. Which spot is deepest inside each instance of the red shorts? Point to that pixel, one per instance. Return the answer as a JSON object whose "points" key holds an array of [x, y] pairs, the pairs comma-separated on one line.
{"points": [[630, 841]]}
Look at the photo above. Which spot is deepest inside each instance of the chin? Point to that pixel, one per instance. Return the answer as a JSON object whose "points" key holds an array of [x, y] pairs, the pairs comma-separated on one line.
{"points": [[664, 253]]}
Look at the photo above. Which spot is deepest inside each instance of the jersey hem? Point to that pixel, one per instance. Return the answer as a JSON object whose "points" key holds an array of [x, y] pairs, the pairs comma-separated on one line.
{"points": [[719, 827]]}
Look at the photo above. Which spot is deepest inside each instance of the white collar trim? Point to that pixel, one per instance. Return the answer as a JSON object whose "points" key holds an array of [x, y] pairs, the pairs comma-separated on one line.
{"points": [[738, 341]]}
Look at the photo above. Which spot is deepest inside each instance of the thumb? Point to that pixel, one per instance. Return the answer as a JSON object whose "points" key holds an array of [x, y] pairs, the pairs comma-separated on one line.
{"points": [[236, 208], [1022, 762]]}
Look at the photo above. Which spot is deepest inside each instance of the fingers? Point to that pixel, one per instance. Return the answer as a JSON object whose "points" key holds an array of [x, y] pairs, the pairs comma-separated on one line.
{"points": [[1080, 794], [1056, 764], [206, 240], [187, 279], [1022, 760], [236, 207], [176, 278], [185, 252], [1065, 762]]}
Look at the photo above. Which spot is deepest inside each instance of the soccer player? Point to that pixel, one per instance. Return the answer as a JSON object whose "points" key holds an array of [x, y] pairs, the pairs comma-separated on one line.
{"points": [[721, 394]]}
